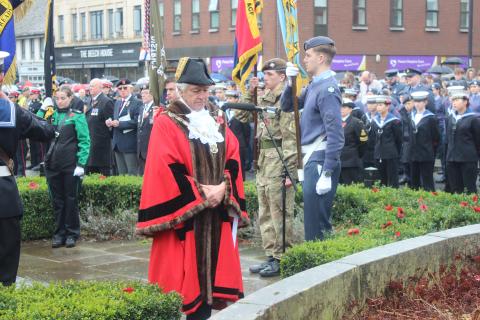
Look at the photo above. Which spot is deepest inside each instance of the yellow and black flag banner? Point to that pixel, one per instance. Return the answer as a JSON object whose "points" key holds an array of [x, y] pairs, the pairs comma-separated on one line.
{"points": [[49, 60]]}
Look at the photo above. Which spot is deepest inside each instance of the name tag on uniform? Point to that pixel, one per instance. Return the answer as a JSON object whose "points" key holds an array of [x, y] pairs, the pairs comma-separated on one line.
{"points": [[94, 112]]}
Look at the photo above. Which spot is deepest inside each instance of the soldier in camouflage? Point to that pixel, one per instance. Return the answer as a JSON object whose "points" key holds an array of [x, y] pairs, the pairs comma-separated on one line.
{"points": [[270, 170]]}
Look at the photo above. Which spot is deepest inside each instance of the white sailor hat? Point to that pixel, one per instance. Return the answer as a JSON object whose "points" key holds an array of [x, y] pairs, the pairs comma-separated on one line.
{"points": [[419, 95], [379, 99], [459, 94]]}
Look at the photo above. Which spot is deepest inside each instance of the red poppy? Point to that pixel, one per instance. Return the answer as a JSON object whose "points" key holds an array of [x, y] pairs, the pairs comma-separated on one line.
{"points": [[400, 210], [389, 207], [464, 204], [397, 234], [353, 231], [220, 120], [434, 193], [476, 209], [400, 215], [423, 207], [128, 290], [387, 224], [477, 277], [475, 198], [375, 189], [102, 177], [33, 185]]}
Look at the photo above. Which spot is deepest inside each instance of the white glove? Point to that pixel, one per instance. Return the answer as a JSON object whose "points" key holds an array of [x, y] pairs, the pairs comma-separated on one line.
{"points": [[324, 184], [291, 70], [79, 172], [48, 102]]}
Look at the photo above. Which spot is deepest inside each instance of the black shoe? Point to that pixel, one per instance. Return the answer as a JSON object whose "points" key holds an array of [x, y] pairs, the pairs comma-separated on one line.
{"points": [[71, 242], [58, 242], [256, 268], [272, 270]]}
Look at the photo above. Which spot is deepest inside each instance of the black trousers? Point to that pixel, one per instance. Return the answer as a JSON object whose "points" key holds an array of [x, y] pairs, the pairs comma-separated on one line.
{"points": [[9, 249], [64, 188], [421, 175], [37, 152], [203, 312], [351, 175], [462, 176], [388, 170]]}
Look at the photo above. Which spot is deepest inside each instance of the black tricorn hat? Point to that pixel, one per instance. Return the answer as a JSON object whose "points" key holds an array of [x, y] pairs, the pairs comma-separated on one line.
{"points": [[193, 71]]}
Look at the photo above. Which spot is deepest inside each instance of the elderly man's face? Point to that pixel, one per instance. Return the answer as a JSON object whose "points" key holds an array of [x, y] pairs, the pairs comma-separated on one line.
{"points": [[95, 87], [195, 96], [124, 91], [146, 96], [172, 93]]}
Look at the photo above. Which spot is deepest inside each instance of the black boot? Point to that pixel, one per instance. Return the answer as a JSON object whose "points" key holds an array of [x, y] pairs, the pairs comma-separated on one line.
{"points": [[259, 267], [272, 270]]}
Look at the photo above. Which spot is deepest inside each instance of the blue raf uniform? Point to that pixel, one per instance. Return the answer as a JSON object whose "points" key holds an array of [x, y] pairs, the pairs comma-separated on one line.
{"points": [[322, 140], [474, 97], [396, 88], [411, 72]]}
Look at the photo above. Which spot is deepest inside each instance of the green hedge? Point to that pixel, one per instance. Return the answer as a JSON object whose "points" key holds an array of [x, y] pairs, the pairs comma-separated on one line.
{"points": [[89, 300], [366, 218]]}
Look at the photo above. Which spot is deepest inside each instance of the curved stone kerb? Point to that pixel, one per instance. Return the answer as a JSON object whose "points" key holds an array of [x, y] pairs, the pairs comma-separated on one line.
{"points": [[324, 292]]}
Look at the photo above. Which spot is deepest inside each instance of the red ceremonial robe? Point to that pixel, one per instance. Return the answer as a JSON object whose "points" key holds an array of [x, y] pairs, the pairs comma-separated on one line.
{"points": [[193, 251]]}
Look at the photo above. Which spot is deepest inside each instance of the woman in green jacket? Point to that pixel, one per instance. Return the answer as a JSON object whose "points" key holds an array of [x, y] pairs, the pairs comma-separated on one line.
{"points": [[64, 166]]}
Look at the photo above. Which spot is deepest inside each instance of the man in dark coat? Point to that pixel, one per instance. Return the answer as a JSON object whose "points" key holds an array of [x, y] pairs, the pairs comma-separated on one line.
{"points": [[15, 124], [98, 112], [145, 124], [37, 149], [355, 145], [124, 127]]}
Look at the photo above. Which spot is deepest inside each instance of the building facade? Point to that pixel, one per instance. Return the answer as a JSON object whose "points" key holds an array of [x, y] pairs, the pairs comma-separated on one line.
{"points": [[98, 39], [30, 44], [103, 38]]}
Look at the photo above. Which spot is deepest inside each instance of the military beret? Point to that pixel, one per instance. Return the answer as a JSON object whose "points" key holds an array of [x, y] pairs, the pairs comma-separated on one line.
{"points": [[14, 94], [348, 103], [410, 72], [436, 85], [474, 83], [391, 73], [35, 91], [107, 84], [350, 92], [123, 82], [420, 95], [193, 71], [275, 64], [318, 41], [232, 93], [379, 99]]}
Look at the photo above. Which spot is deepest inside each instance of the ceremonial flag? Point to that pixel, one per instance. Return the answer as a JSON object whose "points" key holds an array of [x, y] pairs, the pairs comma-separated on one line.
{"points": [[7, 40], [247, 40], [156, 50], [49, 60], [287, 17]]}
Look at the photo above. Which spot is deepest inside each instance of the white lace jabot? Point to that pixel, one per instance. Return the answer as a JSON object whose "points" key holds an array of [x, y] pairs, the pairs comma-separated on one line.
{"points": [[204, 127]]}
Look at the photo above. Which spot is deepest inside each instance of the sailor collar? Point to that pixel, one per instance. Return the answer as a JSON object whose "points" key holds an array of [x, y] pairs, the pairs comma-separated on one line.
{"points": [[7, 114], [458, 117], [389, 118], [426, 113]]}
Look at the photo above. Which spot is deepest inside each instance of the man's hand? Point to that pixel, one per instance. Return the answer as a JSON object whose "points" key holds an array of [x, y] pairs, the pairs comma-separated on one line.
{"points": [[253, 83], [214, 194], [115, 123], [288, 182], [108, 122], [324, 183]]}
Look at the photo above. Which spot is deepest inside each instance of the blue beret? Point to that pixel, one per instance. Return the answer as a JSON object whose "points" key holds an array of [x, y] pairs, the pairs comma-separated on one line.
{"points": [[474, 83], [436, 85], [410, 72], [318, 41]]}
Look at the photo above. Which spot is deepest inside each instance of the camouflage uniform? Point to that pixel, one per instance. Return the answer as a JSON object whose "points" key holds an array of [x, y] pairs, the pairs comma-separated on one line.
{"points": [[270, 170]]}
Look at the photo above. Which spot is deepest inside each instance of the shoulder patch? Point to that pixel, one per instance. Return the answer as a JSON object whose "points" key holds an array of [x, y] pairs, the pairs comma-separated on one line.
{"points": [[331, 89]]}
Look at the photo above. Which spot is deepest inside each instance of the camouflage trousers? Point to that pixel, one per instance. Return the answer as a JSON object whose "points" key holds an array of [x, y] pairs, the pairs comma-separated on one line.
{"points": [[270, 218]]}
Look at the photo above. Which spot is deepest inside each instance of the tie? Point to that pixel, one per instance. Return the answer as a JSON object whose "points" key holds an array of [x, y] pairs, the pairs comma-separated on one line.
{"points": [[121, 108]]}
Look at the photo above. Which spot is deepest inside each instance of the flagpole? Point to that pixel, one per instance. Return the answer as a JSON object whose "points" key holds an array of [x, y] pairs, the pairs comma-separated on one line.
{"points": [[255, 123]]}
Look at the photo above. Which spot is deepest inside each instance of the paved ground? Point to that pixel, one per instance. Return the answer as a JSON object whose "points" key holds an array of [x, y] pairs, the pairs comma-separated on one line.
{"points": [[91, 260]]}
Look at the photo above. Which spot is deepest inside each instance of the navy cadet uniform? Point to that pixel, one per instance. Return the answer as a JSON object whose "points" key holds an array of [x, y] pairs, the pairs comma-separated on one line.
{"points": [[388, 143], [396, 88], [463, 148], [351, 93], [410, 72], [15, 124], [474, 97], [355, 144], [424, 139], [322, 136], [368, 159], [405, 117]]}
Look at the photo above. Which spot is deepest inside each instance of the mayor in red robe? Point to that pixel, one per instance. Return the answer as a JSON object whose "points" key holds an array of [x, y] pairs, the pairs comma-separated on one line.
{"points": [[193, 199]]}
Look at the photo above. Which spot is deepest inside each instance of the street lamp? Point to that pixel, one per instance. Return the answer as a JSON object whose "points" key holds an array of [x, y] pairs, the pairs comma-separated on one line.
{"points": [[470, 33]]}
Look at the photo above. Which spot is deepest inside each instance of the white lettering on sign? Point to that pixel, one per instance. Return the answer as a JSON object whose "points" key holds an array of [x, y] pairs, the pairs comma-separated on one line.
{"points": [[94, 53]]}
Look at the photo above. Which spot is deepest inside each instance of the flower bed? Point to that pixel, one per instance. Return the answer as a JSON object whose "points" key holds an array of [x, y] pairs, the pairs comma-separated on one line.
{"points": [[88, 300], [451, 293], [366, 218]]}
